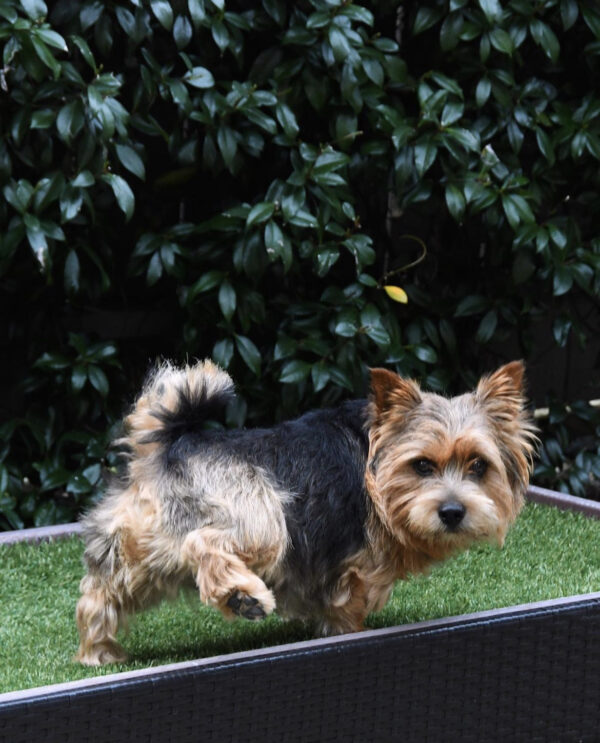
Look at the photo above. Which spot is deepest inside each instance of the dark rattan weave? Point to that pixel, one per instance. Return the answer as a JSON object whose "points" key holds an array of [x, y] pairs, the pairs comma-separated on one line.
{"points": [[528, 675]]}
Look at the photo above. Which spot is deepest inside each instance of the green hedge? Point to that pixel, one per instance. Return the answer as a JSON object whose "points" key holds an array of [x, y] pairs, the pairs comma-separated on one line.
{"points": [[244, 180]]}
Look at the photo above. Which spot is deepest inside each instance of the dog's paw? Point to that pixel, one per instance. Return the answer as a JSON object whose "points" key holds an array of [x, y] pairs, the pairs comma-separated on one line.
{"points": [[246, 606]]}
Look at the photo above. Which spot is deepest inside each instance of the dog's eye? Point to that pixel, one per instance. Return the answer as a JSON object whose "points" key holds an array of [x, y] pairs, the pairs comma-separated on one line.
{"points": [[423, 467], [478, 467]]}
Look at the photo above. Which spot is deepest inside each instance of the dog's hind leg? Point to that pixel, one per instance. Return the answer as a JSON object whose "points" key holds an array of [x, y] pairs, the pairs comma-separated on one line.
{"points": [[100, 611], [107, 600], [223, 577], [129, 568]]}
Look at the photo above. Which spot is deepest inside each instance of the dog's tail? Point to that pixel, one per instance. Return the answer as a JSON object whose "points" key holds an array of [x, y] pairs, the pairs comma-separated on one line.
{"points": [[174, 401]]}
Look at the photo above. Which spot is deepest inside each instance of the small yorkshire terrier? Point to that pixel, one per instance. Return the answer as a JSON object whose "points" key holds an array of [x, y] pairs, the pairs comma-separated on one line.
{"points": [[320, 515]]}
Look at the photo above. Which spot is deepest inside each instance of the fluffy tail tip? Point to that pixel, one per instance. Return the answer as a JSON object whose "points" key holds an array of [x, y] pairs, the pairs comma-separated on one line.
{"points": [[175, 400]]}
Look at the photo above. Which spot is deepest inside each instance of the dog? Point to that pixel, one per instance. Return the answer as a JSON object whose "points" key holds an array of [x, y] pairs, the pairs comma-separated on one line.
{"points": [[319, 515]]}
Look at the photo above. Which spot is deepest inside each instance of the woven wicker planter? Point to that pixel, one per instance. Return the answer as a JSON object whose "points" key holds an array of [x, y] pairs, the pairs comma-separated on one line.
{"points": [[526, 673]]}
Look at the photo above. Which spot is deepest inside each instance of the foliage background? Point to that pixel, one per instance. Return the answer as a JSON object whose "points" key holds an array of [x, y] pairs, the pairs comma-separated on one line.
{"points": [[241, 180]]}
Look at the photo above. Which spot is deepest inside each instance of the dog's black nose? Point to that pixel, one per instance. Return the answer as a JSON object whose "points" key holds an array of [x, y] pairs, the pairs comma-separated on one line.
{"points": [[451, 513]]}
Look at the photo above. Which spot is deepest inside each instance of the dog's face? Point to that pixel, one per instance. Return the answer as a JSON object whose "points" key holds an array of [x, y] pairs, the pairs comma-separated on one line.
{"points": [[442, 472]]}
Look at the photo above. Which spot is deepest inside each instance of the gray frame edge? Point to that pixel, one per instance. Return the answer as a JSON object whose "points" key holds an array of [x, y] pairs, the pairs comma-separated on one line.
{"points": [[40, 534], [563, 501]]}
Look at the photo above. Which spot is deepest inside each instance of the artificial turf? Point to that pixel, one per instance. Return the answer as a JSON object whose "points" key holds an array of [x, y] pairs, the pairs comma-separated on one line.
{"points": [[547, 554]]}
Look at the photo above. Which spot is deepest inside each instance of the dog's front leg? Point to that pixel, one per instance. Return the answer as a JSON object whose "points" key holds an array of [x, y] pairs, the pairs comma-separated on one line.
{"points": [[223, 578]]}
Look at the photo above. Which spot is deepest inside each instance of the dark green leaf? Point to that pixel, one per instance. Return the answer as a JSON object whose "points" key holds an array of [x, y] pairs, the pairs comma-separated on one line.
{"points": [[206, 282], [482, 92], [425, 18], [164, 13], [98, 379], [471, 305], [515, 136], [491, 9], [455, 201], [71, 277], [131, 160], [277, 244], [223, 352], [425, 154], [374, 71], [561, 329], [83, 179], [249, 353], [295, 371], [260, 213], [78, 378], [182, 31], [487, 327], [569, 11], [287, 119], [320, 375], [329, 161], [71, 201], [227, 300], [220, 35], [545, 37], [425, 353], [37, 240], [557, 235], [227, 142], [35, 9], [563, 281], [452, 112], [199, 77], [451, 30], [123, 193], [502, 41], [339, 43], [155, 269], [545, 145], [592, 19]]}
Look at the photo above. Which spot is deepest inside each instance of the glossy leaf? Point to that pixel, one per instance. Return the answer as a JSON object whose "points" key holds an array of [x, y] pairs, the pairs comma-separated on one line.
{"points": [[249, 353], [123, 193]]}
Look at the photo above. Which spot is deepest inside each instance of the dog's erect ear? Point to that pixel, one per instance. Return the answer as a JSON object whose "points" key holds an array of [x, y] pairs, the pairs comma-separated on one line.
{"points": [[502, 392], [392, 391]]}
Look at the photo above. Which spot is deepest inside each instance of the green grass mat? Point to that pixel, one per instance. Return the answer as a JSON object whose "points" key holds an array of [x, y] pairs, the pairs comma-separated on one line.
{"points": [[548, 554]]}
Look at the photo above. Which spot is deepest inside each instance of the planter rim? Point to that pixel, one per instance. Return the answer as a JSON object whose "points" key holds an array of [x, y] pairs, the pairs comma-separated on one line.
{"points": [[40, 533], [563, 501], [323, 644]]}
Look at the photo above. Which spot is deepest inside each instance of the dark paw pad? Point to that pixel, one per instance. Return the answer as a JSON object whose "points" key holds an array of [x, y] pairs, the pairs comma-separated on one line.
{"points": [[246, 606]]}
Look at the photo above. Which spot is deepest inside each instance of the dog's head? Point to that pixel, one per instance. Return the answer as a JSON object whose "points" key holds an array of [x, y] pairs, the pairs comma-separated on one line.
{"points": [[445, 472]]}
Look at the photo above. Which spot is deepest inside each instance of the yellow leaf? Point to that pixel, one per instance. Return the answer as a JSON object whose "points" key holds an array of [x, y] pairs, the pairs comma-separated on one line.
{"points": [[396, 293]]}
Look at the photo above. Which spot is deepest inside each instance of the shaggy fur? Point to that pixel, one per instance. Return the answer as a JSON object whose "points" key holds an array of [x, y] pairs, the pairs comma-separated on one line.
{"points": [[319, 516]]}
